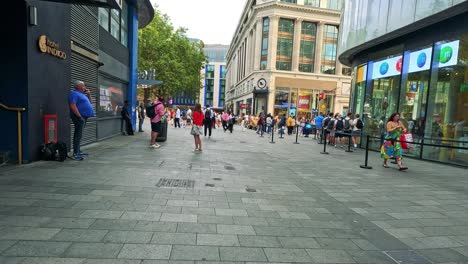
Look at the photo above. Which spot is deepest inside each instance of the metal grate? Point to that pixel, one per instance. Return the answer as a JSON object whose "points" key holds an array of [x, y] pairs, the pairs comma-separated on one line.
{"points": [[176, 183], [229, 168], [217, 179], [406, 257], [209, 185], [250, 190]]}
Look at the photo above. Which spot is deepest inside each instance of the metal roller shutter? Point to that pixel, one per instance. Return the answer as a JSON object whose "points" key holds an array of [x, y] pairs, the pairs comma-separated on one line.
{"points": [[85, 70], [85, 27]]}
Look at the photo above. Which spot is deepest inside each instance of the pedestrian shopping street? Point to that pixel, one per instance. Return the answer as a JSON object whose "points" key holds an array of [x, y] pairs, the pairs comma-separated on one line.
{"points": [[242, 200]]}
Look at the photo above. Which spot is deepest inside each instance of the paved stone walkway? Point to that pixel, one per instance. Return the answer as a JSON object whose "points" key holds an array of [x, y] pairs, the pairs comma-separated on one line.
{"points": [[251, 202]]}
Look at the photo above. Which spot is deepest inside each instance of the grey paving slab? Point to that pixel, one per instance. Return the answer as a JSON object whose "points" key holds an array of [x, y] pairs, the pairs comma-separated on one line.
{"points": [[330, 256], [52, 260], [165, 238], [80, 235], [101, 214], [336, 243], [196, 228], [242, 254], [236, 229], [28, 233], [4, 244], [187, 218], [215, 219], [194, 253], [69, 223], [127, 237], [287, 255], [37, 248], [93, 250], [217, 240], [299, 242], [113, 224], [155, 226], [259, 241], [31, 221], [141, 216], [112, 261], [142, 251]]}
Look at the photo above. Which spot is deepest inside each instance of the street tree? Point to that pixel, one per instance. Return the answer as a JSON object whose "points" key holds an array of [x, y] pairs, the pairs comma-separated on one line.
{"points": [[177, 60]]}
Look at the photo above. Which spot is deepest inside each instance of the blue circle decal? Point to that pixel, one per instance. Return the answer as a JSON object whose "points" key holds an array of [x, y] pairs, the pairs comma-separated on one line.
{"points": [[422, 59], [384, 68]]}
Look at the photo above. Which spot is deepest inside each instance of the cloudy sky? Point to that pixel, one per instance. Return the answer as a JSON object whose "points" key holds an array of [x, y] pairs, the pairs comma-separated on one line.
{"points": [[213, 21]]}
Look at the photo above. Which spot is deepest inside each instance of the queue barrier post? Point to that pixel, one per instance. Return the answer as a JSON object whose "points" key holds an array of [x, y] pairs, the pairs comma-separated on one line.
{"points": [[365, 166]]}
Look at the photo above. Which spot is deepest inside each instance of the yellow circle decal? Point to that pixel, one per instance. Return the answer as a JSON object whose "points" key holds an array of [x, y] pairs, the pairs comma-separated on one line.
{"points": [[43, 43]]}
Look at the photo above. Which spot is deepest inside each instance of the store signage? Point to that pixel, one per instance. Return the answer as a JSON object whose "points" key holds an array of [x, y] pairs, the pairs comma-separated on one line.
{"points": [[449, 54], [420, 60], [361, 74], [387, 68], [100, 3], [303, 102], [48, 46]]}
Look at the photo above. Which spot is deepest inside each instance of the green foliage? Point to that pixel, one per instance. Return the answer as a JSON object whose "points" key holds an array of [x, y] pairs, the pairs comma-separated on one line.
{"points": [[177, 61]]}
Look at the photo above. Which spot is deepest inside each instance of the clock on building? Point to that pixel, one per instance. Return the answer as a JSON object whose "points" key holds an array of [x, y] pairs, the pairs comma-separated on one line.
{"points": [[261, 83]]}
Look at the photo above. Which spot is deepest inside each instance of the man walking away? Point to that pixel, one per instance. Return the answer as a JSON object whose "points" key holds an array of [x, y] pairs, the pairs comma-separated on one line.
{"points": [[81, 109], [231, 121], [177, 118], [207, 120], [127, 119], [156, 121], [141, 116], [319, 125], [357, 126], [347, 127]]}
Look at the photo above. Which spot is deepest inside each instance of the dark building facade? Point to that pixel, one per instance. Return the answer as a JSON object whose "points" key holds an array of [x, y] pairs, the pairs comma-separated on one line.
{"points": [[51, 45]]}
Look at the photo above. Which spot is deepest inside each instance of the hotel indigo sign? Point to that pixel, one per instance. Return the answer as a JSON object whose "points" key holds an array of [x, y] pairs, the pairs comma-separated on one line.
{"points": [[48, 46]]}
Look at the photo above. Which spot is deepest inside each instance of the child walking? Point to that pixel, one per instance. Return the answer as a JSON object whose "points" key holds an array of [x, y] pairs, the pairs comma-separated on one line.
{"points": [[197, 127]]}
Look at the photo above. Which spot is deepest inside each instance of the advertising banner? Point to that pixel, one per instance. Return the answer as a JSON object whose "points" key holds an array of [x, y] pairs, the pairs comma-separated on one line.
{"points": [[303, 101], [387, 68], [420, 60]]}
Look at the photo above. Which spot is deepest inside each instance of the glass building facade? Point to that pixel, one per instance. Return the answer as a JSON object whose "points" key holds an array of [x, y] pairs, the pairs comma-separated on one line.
{"points": [[422, 75], [285, 44]]}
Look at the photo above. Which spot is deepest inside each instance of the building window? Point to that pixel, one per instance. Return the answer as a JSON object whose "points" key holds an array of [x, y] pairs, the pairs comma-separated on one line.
{"points": [[124, 24], [115, 24], [222, 86], [288, 1], [330, 41], [209, 84], [307, 49], [346, 71], [285, 44], [104, 18], [264, 54], [313, 3], [334, 4]]}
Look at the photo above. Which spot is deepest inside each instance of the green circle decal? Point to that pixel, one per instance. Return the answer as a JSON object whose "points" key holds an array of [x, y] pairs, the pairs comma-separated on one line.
{"points": [[446, 54]]}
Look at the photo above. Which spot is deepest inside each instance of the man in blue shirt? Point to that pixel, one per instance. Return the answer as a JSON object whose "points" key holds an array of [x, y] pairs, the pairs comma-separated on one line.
{"points": [[319, 123], [80, 110]]}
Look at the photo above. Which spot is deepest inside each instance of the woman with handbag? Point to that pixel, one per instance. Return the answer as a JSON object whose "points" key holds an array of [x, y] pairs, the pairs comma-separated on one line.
{"points": [[391, 148]]}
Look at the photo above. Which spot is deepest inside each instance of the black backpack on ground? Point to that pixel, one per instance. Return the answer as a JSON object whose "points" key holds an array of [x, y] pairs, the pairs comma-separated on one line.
{"points": [[54, 151], [359, 124]]}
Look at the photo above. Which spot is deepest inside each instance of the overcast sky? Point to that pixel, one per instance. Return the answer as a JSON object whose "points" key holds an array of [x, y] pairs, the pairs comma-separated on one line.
{"points": [[212, 21]]}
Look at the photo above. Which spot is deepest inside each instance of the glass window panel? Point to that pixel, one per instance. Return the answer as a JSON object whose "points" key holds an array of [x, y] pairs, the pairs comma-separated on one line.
{"points": [[104, 18], [429, 7], [401, 13], [111, 97], [313, 3]]}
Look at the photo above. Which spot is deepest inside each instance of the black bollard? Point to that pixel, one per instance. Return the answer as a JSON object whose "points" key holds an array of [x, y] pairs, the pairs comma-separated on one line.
{"points": [[272, 135], [324, 143], [297, 134], [367, 156], [349, 144]]}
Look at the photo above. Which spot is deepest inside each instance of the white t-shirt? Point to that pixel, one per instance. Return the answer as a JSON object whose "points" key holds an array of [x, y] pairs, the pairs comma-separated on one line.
{"points": [[177, 115]]}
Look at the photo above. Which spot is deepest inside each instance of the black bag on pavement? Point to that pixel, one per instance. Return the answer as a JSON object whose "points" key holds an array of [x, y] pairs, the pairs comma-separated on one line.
{"points": [[54, 151]]}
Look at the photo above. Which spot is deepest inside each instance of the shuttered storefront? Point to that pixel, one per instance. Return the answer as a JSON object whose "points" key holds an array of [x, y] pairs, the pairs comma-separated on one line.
{"points": [[85, 34]]}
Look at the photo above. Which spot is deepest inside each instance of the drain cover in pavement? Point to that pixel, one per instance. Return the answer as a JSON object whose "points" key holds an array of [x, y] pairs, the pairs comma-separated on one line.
{"points": [[229, 167], [209, 185], [178, 183], [406, 257], [217, 179], [250, 190]]}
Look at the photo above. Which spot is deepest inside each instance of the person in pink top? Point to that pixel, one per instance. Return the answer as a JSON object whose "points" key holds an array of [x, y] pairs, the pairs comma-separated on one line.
{"points": [[156, 122], [225, 118]]}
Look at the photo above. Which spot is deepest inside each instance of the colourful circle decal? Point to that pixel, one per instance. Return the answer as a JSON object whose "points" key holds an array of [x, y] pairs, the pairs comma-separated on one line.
{"points": [[384, 68], [399, 64], [446, 54], [422, 58]]}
